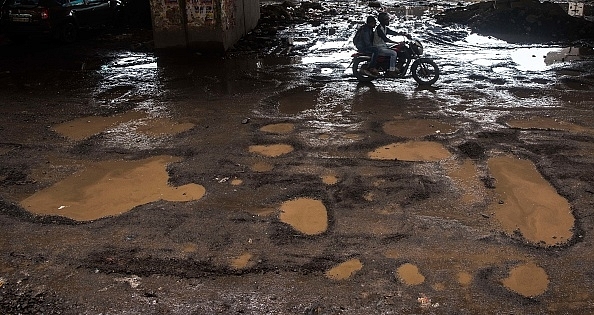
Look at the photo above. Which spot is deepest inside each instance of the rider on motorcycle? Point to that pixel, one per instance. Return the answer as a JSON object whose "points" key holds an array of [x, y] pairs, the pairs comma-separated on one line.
{"points": [[380, 41], [365, 45]]}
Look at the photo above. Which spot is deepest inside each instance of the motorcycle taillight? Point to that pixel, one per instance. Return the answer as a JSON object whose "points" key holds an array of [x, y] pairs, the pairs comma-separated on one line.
{"points": [[44, 13]]}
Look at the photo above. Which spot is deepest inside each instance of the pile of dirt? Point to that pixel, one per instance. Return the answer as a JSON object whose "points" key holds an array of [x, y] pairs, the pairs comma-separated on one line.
{"points": [[278, 16], [520, 21]]}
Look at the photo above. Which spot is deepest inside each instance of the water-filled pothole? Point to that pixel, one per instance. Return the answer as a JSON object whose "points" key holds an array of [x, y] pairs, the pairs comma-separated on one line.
{"points": [[158, 127], [306, 215], [329, 179], [140, 122], [547, 123], [464, 278], [82, 128], [344, 270], [295, 103], [416, 128], [282, 128], [528, 279], [110, 188], [261, 167], [527, 203], [242, 261], [271, 150], [419, 151], [409, 274], [466, 176]]}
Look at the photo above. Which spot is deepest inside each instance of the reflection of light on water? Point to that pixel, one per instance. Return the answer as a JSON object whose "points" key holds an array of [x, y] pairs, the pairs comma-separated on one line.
{"points": [[321, 46], [538, 59], [531, 59], [131, 69], [479, 40], [333, 57], [565, 54]]}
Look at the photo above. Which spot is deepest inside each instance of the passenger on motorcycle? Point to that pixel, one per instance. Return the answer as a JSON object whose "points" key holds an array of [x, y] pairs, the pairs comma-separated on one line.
{"points": [[380, 41], [364, 43]]}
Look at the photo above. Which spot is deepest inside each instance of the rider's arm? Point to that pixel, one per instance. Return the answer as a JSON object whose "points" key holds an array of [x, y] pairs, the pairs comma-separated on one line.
{"points": [[391, 32], [383, 36]]}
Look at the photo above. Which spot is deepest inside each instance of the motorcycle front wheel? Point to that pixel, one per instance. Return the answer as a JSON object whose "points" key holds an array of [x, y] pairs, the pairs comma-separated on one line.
{"points": [[425, 71], [358, 65]]}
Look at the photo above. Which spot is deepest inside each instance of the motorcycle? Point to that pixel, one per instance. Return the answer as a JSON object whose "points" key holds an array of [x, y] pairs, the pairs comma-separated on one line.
{"points": [[424, 70]]}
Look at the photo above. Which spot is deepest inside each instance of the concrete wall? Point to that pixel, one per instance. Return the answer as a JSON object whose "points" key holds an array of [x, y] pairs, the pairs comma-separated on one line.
{"points": [[204, 25]]}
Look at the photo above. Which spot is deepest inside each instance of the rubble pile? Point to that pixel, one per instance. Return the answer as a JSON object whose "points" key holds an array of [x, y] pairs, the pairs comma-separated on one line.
{"points": [[520, 21], [278, 16]]}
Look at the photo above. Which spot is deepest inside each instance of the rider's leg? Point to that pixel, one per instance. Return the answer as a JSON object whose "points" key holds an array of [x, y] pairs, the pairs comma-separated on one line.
{"points": [[393, 57], [392, 54], [374, 53], [400, 60]]}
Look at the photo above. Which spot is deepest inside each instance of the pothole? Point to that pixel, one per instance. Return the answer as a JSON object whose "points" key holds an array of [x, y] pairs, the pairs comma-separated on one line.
{"points": [[236, 182], [272, 150], [416, 128], [158, 127], [82, 128], [464, 278], [344, 270], [306, 215], [283, 128], [409, 274], [139, 122], [527, 203], [295, 103], [547, 123], [466, 176], [329, 179], [261, 167], [110, 188], [528, 280], [242, 261], [417, 151]]}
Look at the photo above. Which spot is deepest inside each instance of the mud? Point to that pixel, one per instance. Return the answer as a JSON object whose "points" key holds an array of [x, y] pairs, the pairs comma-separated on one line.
{"points": [[269, 181]]}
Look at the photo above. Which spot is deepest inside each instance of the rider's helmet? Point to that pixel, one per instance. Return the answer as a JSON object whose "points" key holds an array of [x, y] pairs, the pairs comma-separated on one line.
{"points": [[384, 18]]}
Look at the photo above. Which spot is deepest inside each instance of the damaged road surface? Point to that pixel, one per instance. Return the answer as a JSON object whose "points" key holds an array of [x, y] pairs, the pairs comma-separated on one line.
{"points": [[270, 181]]}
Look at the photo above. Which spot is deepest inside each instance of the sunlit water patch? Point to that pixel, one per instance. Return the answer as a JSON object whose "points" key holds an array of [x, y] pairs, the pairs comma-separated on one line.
{"points": [[111, 188], [527, 203], [137, 69]]}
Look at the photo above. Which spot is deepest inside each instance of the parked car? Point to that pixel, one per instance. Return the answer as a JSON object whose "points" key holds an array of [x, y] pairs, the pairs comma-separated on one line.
{"points": [[61, 19]]}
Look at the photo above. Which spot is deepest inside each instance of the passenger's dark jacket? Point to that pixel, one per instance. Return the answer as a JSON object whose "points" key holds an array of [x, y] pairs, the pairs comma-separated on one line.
{"points": [[366, 38]]}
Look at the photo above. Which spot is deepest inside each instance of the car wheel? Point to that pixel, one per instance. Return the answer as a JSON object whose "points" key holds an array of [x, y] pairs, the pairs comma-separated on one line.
{"points": [[69, 33]]}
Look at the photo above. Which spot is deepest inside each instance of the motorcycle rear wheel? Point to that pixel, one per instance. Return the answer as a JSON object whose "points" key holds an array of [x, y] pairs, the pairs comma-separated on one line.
{"points": [[425, 71], [358, 65]]}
